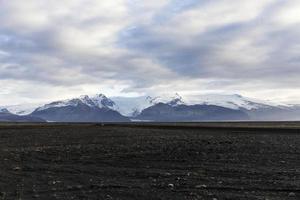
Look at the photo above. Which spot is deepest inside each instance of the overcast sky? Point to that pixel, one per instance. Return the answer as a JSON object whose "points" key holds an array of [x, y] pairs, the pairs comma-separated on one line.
{"points": [[52, 49]]}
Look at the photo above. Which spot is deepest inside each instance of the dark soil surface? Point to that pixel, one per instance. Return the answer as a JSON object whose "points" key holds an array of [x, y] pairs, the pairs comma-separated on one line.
{"points": [[90, 161]]}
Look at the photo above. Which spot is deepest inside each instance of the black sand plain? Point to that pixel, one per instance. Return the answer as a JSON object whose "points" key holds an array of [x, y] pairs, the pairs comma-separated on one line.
{"points": [[150, 161]]}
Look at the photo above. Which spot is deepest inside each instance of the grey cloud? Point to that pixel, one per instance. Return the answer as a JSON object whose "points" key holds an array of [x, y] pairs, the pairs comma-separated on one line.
{"points": [[158, 46], [199, 56]]}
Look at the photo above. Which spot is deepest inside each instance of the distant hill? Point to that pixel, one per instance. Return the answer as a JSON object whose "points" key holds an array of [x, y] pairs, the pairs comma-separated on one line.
{"points": [[6, 116]]}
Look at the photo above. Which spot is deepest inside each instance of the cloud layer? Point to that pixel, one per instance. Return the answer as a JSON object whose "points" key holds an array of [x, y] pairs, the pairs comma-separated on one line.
{"points": [[58, 49]]}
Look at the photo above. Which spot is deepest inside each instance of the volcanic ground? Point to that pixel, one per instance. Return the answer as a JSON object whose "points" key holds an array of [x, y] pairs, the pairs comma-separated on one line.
{"points": [[150, 161]]}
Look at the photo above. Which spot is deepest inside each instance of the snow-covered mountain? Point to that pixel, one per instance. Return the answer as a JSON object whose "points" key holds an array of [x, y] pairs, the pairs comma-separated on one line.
{"points": [[130, 105], [254, 108], [134, 106], [100, 101], [96, 108]]}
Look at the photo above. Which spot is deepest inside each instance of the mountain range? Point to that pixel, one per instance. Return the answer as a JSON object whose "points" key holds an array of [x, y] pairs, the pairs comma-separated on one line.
{"points": [[99, 108]]}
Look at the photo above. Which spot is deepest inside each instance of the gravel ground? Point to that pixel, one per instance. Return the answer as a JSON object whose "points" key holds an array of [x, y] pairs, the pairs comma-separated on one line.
{"points": [[89, 161]]}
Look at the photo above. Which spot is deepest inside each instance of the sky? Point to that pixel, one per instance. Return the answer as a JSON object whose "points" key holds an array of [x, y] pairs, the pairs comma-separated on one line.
{"points": [[52, 50]]}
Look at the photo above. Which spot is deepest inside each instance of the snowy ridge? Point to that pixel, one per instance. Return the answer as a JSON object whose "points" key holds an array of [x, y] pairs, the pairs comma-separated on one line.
{"points": [[100, 101], [232, 101]]}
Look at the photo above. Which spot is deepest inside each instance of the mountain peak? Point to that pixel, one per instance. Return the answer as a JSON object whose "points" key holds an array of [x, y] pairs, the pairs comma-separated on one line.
{"points": [[4, 110], [100, 100], [238, 95], [176, 100], [101, 95], [84, 97]]}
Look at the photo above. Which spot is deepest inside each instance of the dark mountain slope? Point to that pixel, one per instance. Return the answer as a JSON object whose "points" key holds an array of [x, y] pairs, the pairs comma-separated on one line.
{"points": [[166, 112]]}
